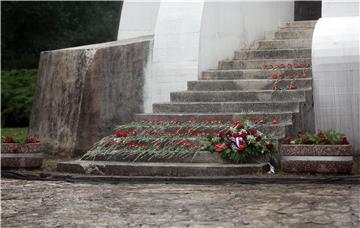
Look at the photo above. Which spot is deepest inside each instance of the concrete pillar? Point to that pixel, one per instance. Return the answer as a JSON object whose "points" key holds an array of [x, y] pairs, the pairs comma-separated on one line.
{"points": [[335, 58]]}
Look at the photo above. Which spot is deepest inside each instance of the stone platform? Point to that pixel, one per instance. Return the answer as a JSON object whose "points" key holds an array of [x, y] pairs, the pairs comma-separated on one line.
{"points": [[107, 168]]}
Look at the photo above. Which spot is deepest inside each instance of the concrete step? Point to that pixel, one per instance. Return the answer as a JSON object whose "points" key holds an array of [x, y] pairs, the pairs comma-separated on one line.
{"points": [[298, 24], [237, 96], [159, 169], [187, 157], [221, 107], [255, 64], [283, 44], [246, 84], [273, 54], [243, 74], [267, 117], [277, 131], [293, 34]]}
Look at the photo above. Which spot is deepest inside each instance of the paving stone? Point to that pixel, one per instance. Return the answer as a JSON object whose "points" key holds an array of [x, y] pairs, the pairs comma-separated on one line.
{"points": [[62, 204]]}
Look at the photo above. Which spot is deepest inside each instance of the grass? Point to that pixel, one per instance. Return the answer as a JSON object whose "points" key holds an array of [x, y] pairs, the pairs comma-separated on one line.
{"points": [[50, 164], [18, 134]]}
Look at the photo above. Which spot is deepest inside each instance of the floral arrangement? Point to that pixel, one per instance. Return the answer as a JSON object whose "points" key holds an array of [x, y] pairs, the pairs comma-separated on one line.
{"points": [[329, 137], [287, 71], [10, 139], [157, 138], [10, 145], [240, 143]]}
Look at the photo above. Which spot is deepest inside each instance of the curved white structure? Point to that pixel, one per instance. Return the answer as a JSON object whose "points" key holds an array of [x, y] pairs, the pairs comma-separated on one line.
{"points": [[192, 36], [336, 73]]}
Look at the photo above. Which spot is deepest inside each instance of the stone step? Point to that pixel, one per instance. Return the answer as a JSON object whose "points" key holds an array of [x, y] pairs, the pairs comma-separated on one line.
{"points": [[296, 29], [267, 117], [244, 74], [298, 24], [283, 44], [293, 34], [277, 131], [256, 63], [159, 169], [190, 157], [221, 107], [237, 96], [247, 84], [272, 54]]}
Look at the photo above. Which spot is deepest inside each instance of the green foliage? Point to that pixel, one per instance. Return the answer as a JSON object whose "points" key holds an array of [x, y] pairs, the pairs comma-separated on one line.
{"points": [[27, 28], [17, 89], [18, 134], [329, 137]]}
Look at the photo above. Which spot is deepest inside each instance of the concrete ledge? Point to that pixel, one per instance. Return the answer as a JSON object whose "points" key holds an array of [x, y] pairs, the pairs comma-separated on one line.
{"points": [[160, 169]]}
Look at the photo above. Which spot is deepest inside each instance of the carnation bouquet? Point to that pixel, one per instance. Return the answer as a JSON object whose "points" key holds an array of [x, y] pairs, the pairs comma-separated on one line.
{"points": [[240, 143]]}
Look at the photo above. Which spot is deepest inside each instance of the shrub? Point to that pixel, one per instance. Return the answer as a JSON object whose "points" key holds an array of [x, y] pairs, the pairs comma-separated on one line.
{"points": [[17, 90]]}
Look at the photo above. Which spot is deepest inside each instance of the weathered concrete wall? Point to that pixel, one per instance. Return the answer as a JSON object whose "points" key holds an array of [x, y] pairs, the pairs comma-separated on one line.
{"points": [[83, 92]]}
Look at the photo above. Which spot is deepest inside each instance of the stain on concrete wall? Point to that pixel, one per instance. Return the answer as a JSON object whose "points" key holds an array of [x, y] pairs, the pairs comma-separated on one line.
{"points": [[83, 93]]}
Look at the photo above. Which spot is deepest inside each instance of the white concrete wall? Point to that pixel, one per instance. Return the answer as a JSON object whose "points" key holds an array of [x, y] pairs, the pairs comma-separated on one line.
{"points": [[176, 49], [192, 36], [340, 8], [336, 75], [138, 19], [229, 26]]}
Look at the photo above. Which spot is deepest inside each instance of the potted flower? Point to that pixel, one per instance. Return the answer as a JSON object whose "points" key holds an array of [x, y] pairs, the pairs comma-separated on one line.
{"points": [[20, 155], [324, 152]]}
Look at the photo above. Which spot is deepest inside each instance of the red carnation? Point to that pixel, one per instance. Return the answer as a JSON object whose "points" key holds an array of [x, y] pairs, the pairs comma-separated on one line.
{"points": [[344, 141], [243, 135], [274, 76], [235, 135], [120, 134], [239, 126], [32, 140], [269, 146], [219, 148], [275, 121], [242, 147], [9, 139], [258, 138], [289, 65], [228, 144], [292, 85], [321, 135], [282, 66], [253, 131]]}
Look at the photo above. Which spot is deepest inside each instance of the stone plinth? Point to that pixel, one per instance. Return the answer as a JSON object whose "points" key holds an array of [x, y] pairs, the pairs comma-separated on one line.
{"points": [[335, 159], [83, 92], [16, 155]]}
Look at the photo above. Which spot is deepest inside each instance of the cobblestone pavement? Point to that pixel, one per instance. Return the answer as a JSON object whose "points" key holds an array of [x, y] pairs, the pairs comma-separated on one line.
{"points": [[62, 204]]}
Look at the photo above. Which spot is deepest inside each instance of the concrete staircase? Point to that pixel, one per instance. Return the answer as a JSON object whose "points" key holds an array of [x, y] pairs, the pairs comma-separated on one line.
{"points": [[239, 88]]}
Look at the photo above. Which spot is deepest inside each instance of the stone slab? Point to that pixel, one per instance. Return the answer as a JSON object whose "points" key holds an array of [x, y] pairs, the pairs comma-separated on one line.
{"points": [[159, 169], [83, 92], [21, 160], [316, 150], [323, 167], [199, 157]]}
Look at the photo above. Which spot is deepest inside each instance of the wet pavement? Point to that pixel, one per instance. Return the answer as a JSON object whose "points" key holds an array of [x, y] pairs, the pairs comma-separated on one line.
{"points": [[63, 204]]}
